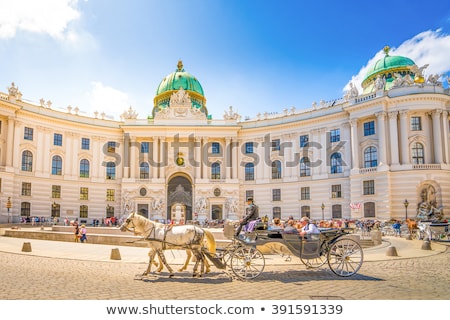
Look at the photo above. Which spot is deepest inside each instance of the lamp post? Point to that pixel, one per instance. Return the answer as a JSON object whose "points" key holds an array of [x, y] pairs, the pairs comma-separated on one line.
{"points": [[406, 203], [323, 208], [8, 206]]}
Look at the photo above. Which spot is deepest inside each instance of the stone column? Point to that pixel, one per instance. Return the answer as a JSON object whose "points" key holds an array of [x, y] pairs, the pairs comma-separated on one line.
{"points": [[198, 157], [404, 136], [445, 127], [10, 142], [205, 160], [437, 135], [346, 138], [162, 157], [227, 155], [381, 127], [393, 132], [133, 164], [235, 157], [155, 158], [126, 156], [354, 140]]}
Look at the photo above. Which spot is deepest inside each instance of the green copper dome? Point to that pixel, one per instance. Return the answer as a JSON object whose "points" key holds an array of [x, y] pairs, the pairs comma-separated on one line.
{"points": [[180, 79], [172, 83], [386, 67]]}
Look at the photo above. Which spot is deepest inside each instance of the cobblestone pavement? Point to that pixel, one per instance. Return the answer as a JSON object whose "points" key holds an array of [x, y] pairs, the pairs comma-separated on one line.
{"points": [[25, 277]]}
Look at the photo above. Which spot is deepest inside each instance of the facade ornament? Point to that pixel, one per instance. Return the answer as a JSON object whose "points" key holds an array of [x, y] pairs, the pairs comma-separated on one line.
{"points": [[129, 114], [49, 104], [314, 105], [42, 102], [157, 205], [200, 205], [13, 90], [231, 114], [352, 92], [433, 79], [69, 108], [401, 81], [180, 107], [232, 206], [418, 73], [76, 109], [380, 81]]}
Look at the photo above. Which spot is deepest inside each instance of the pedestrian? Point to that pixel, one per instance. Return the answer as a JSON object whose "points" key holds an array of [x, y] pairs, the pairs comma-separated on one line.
{"points": [[76, 231], [83, 233]]}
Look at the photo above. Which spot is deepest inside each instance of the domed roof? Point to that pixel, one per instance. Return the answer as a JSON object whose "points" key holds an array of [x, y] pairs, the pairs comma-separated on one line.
{"points": [[385, 67], [179, 79], [172, 83]]}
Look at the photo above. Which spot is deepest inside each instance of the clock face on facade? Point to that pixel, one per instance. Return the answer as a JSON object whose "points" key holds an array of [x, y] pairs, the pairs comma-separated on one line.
{"points": [[180, 161], [217, 192], [143, 191]]}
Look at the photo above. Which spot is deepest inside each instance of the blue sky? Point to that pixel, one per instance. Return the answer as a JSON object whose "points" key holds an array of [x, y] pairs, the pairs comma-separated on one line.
{"points": [[257, 56]]}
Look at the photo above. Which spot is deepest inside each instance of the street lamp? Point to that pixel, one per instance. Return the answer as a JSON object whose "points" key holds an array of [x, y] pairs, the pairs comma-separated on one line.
{"points": [[8, 206], [406, 203], [323, 208]]}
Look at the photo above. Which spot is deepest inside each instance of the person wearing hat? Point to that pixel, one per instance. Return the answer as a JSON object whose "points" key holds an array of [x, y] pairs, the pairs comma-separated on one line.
{"points": [[251, 213]]}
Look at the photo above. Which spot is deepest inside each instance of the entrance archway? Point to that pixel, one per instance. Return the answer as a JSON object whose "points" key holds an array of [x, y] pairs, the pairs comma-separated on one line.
{"points": [[179, 191]]}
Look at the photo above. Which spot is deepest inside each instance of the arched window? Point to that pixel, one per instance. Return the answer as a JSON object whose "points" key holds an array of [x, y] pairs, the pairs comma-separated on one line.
{"points": [[276, 169], [336, 163], [111, 171], [56, 166], [84, 168], [249, 171], [25, 209], [369, 210], [27, 161], [370, 157], [305, 167], [215, 170], [144, 171], [418, 153], [336, 211]]}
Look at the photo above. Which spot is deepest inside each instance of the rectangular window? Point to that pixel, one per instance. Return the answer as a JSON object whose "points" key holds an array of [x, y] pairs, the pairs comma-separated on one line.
{"points": [[56, 192], [276, 195], [84, 212], [304, 140], [249, 147], [84, 193], [111, 146], [57, 139], [110, 195], [85, 143], [215, 148], [144, 147], [28, 134], [335, 135], [369, 128], [26, 188], [369, 187], [304, 193], [416, 123], [336, 191], [276, 145]]}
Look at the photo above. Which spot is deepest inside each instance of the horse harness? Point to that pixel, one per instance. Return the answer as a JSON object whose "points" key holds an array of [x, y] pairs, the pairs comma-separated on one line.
{"points": [[152, 237]]}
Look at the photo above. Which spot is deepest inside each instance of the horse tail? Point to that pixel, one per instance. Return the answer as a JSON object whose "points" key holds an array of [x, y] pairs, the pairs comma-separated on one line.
{"points": [[210, 241]]}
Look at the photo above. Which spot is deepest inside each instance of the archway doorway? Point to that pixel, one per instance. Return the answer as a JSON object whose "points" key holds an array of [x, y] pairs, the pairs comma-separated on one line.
{"points": [[179, 191]]}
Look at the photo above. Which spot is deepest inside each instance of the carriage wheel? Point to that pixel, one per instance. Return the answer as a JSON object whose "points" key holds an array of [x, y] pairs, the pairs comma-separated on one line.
{"points": [[247, 262], [315, 262], [345, 257]]}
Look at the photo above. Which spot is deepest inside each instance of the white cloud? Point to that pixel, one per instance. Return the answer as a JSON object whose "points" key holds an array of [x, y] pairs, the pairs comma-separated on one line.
{"points": [[50, 17], [428, 47], [111, 101]]}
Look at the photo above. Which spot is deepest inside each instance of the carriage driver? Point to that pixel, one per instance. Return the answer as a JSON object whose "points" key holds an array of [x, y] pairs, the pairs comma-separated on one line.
{"points": [[251, 213]]}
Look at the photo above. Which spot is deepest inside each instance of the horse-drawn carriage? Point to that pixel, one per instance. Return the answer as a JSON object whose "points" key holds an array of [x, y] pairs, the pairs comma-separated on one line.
{"points": [[343, 254]]}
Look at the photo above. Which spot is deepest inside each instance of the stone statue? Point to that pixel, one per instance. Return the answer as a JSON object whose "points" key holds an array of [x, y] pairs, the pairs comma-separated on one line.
{"points": [[427, 208], [352, 92], [379, 83], [200, 206], [13, 90], [232, 205], [157, 205]]}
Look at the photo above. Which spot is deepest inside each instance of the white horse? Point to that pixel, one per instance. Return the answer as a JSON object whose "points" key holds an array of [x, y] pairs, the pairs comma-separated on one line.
{"points": [[163, 237]]}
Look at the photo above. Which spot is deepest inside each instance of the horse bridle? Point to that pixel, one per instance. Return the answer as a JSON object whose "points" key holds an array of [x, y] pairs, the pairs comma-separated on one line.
{"points": [[129, 221]]}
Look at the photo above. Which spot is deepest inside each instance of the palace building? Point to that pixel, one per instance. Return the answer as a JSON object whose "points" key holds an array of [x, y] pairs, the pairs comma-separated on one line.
{"points": [[381, 153]]}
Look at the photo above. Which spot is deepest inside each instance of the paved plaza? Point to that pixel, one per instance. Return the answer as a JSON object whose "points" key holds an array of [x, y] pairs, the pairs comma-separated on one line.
{"points": [[72, 271]]}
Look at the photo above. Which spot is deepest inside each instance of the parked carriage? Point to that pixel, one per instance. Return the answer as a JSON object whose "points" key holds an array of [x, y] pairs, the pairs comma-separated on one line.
{"points": [[334, 247]]}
